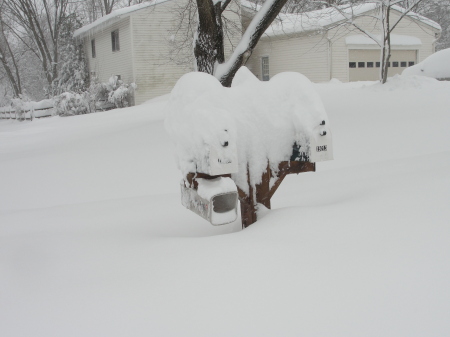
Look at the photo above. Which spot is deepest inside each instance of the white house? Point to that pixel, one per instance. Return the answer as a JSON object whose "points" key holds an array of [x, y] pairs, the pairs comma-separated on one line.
{"points": [[321, 46], [135, 44]]}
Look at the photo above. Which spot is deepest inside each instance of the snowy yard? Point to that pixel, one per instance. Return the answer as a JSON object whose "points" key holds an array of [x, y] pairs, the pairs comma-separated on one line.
{"points": [[94, 240]]}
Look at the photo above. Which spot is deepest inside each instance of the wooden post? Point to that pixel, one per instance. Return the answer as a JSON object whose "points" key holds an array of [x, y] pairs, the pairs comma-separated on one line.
{"points": [[248, 204], [264, 191]]}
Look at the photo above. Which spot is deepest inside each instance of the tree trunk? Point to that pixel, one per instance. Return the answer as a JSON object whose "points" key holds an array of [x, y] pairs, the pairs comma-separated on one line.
{"points": [[386, 47], [207, 39]]}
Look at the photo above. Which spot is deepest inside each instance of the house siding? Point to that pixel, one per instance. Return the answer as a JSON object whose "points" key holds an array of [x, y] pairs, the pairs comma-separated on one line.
{"points": [[155, 71], [108, 63], [306, 54]]}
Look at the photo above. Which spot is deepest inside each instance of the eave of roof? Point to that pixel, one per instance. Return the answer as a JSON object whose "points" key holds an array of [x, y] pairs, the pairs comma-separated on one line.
{"points": [[114, 16]]}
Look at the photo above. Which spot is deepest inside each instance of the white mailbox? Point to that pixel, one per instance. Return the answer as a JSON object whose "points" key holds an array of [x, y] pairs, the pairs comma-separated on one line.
{"points": [[319, 147], [214, 200], [222, 160], [321, 144]]}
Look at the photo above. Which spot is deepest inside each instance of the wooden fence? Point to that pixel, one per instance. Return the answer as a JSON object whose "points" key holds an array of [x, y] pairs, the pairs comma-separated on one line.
{"points": [[30, 110]]}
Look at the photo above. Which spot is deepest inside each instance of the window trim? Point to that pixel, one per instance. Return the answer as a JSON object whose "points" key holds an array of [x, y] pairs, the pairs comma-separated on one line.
{"points": [[266, 57], [93, 51], [115, 40]]}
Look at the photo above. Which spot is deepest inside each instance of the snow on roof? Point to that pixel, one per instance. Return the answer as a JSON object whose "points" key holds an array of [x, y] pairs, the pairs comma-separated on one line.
{"points": [[114, 16], [324, 18], [396, 40]]}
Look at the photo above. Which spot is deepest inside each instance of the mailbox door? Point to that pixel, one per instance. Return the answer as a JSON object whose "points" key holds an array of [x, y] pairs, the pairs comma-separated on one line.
{"points": [[224, 164], [223, 208], [321, 146]]}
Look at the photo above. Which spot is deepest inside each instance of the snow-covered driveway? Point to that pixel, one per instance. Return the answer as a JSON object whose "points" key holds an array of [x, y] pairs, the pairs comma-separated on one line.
{"points": [[94, 241]]}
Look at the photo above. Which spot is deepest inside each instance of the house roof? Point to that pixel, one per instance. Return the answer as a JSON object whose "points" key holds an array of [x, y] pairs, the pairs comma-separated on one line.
{"points": [[113, 17], [325, 18], [285, 23]]}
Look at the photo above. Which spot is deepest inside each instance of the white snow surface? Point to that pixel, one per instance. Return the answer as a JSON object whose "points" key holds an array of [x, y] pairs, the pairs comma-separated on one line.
{"points": [[262, 120], [436, 65], [94, 240], [396, 40]]}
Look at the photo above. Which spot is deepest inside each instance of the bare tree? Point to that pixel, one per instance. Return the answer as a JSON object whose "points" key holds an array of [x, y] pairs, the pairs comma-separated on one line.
{"points": [[8, 57], [439, 11], [37, 24], [382, 16]]}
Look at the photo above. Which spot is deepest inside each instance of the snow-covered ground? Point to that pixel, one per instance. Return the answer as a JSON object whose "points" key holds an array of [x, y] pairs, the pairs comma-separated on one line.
{"points": [[94, 240]]}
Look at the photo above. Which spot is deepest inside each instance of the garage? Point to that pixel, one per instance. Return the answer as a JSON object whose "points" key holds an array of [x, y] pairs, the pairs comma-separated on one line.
{"points": [[364, 65], [364, 56]]}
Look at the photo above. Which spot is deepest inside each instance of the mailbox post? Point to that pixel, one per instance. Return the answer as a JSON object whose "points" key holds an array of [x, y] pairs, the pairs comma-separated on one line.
{"points": [[319, 149], [283, 132]]}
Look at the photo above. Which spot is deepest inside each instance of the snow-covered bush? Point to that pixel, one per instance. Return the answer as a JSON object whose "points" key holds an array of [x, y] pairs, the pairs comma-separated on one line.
{"points": [[101, 96], [70, 103], [19, 106], [119, 93]]}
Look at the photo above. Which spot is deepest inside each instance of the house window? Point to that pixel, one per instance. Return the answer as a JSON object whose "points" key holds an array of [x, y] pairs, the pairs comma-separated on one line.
{"points": [[361, 64], [93, 48], [378, 64], [352, 65], [410, 64], [93, 74], [403, 64], [369, 64], [115, 40], [119, 78], [389, 64], [265, 68], [395, 64]]}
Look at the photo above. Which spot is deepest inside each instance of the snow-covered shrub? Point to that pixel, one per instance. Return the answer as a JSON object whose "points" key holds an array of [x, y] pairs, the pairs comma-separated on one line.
{"points": [[69, 104], [119, 93], [99, 96], [19, 106]]}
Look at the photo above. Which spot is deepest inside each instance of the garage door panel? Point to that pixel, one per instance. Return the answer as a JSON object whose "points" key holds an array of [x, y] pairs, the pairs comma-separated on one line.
{"points": [[359, 57]]}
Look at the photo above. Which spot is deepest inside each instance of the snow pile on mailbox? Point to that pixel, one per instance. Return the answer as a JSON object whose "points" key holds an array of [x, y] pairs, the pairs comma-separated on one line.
{"points": [[257, 122]]}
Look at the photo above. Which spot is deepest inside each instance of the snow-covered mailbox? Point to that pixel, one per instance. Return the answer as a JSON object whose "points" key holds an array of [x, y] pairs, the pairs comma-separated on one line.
{"points": [[241, 142]]}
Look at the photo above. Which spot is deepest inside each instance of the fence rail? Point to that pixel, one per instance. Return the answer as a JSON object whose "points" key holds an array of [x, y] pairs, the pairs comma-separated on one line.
{"points": [[30, 110]]}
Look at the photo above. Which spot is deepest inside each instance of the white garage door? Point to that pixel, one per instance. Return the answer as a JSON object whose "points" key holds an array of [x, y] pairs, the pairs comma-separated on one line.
{"points": [[364, 65]]}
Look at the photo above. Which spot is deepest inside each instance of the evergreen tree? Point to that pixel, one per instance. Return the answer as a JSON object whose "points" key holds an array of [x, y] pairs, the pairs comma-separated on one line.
{"points": [[73, 74]]}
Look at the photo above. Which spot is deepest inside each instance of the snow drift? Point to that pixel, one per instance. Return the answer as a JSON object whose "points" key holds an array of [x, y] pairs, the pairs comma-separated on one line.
{"points": [[436, 66]]}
